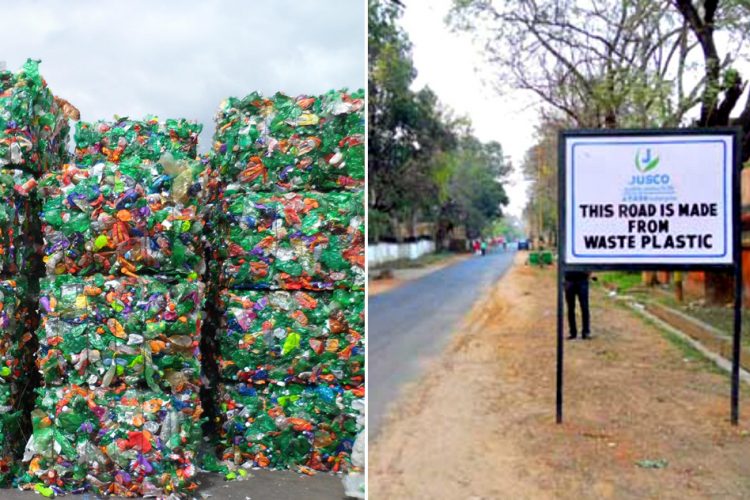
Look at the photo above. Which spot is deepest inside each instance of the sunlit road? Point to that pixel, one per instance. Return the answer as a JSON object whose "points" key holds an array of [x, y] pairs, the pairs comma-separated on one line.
{"points": [[411, 323]]}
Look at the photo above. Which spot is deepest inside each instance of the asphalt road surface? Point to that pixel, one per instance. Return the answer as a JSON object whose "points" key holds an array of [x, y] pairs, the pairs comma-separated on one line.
{"points": [[413, 322]]}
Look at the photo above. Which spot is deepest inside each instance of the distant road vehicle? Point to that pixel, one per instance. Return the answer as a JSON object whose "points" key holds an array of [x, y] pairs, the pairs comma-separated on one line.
{"points": [[523, 244]]}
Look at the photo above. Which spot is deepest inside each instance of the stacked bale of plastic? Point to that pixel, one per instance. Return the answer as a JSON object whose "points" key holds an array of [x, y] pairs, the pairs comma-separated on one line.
{"points": [[114, 441], [33, 122], [103, 339], [141, 332], [284, 143], [148, 139], [132, 218], [17, 217], [33, 137], [121, 310], [294, 241], [289, 255], [15, 363], [19, 265]]}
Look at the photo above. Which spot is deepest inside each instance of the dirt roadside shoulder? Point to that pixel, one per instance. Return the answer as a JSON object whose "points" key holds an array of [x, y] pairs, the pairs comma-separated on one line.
{"points": [[401, 276], [480, 422]]}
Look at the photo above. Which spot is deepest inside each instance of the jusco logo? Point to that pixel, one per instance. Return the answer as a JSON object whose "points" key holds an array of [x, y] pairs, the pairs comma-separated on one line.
{"points": [[646, 163]]}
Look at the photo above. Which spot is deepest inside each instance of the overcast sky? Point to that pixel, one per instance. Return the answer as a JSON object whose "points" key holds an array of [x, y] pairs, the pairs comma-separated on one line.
{"points": [[182, 58], [447, 62]]}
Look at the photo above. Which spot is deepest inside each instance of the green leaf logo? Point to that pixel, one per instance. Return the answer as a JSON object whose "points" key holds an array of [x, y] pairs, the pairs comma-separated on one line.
{"points": [[645, 163]]}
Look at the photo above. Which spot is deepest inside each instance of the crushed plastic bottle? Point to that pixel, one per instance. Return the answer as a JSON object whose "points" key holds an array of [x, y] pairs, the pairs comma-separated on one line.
{"points": [[287, 248], [292, 337], [15, 367], [129, 218], [14, 334], [11, 449], [309, 241], [292, 144], [124, 138], [101, 331], [18, 219], [33, 125], [273, 426], [114, 441]]}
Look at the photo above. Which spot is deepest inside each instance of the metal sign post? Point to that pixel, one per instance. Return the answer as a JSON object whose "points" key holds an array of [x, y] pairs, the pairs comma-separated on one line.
{"points": [[649, 199]]}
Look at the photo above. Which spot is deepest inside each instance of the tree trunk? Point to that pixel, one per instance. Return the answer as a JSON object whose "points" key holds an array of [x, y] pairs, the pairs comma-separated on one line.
{"points": [[678, 290], [719, 288], [396, 228], [413, 225], [648, 278], [441, 233]]}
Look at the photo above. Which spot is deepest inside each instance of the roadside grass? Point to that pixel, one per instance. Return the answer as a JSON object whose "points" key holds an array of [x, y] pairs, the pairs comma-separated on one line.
{"points": [[697, 359], [720, 317], [423, 261], [686, 348], [622, 280]]}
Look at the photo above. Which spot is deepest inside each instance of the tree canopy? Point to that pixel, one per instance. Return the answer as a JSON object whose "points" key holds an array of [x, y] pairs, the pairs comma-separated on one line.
{"points": [[616, 63], [424, 164]]}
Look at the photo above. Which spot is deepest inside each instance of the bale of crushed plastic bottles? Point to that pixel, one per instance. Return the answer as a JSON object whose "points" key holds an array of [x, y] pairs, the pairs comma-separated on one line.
{"points": [[103, 331], [33, 123], [113, 441], [284, 143], [288, 427], [292, 337], [148, 139], [135, 217], [16, 363], [309, 241]]}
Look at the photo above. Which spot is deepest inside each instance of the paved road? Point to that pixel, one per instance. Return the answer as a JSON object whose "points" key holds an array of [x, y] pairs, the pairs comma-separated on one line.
{"points": [[411, 323]]}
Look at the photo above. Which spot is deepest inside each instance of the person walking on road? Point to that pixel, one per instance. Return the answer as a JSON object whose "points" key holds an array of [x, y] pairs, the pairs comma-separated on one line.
{"points": [[484, 247], [577, 285]]}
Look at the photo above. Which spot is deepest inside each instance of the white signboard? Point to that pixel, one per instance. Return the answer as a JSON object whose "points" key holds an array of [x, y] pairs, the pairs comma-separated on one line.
{"points": [[650, 199]]}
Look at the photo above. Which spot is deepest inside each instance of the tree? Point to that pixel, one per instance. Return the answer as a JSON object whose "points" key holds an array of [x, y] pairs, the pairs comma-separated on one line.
{"points": [[407, 129], [390, 72], [608, 63], [424, 164], [721, 93], [509, 226], [540, 171], [473, 194], [723, 85]]}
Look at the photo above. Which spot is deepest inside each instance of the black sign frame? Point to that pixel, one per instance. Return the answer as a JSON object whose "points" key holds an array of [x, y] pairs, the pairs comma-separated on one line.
{"points": [[735, 134]]}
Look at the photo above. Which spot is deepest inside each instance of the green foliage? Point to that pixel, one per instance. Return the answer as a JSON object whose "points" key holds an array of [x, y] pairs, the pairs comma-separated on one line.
{"points": [[424, 164], [475, 192], [406, 128], [506, 226], [623, 280], [540, 170], [378, 225]]}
